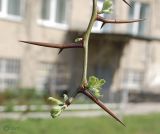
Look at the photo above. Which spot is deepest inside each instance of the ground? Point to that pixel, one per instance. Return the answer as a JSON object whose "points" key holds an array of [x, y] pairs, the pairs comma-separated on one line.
{"points": [[148, 124]]}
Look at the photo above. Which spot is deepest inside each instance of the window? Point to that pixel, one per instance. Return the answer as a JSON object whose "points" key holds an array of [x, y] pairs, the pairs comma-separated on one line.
{"points": [[43, 74], [52, 76], [12, 66], [139, 10], [132, 79], [0, 5], [11, 9], [14, 7], [9, 73], [62, 77], [53, 13], [97, 25]]}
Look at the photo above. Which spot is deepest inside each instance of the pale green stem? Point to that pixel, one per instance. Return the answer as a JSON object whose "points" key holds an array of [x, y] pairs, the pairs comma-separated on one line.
{"points": [[86, 41]]}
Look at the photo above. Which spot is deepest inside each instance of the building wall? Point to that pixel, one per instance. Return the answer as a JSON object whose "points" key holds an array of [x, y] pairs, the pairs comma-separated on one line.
{"points": [[137, 54], [29, 29]]}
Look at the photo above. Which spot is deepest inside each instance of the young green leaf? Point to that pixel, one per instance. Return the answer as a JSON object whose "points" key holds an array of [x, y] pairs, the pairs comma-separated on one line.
{"points": [[65, 97], [107, 7], [54, 101], [56, 111], [95, 85], [58, 106]]}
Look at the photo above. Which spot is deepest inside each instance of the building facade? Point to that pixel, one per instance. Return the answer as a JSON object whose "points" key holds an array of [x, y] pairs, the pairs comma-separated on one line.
{"points": [[127, 56]]}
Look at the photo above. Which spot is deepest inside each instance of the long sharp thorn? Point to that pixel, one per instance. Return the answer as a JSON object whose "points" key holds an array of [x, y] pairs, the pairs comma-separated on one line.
{"points": [[103, 25], [114, 21], [127, 3], [51, 45], [99, 103], [41, 44]]}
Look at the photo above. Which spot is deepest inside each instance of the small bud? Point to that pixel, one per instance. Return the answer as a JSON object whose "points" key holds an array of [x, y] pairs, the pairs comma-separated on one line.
{"points": [[65, 97], [78, 39], [54, 101], [70, 100], [107, 7], [102, 82], [56, 111]]}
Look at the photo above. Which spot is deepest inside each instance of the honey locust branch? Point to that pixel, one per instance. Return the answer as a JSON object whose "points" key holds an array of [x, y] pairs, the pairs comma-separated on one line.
{"points": [[87, 93], [83, 88], [84, 44]]}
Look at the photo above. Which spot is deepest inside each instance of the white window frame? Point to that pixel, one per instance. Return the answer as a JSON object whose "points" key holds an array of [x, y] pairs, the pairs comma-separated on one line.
{"points": [[51, 22], [135, 29], [136, 14], [5, 15], [6, 75], [128, 79], [43, 73]]}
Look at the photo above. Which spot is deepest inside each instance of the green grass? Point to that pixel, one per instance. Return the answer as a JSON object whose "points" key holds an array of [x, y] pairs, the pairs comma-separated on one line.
{"points": [[100, 125]]}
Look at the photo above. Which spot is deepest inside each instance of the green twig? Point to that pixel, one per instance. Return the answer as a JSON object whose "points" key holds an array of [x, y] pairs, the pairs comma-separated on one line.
{"points": [[86, 41]]}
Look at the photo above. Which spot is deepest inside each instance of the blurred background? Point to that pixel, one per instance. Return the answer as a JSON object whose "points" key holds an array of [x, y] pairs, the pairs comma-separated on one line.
{"points": [[127, 56]]}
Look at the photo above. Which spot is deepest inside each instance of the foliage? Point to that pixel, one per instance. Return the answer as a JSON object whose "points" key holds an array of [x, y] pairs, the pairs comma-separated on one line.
{"points": [[21, 96], [148, 124], [9, 107]]}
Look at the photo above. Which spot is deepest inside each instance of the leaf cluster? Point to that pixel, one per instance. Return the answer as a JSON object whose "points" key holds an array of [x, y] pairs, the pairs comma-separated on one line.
{"points": [[95, 85], [58, 106]]}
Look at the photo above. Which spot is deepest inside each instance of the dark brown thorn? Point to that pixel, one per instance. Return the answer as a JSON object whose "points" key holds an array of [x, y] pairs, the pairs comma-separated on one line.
{"points": [[103, 25], [127, 3], [60, 46], [99, 103], [60, 50], [101, 19]]}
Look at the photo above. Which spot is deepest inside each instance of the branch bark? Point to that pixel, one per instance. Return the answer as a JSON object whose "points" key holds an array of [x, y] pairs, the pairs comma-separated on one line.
{"points": [[86, 41]]}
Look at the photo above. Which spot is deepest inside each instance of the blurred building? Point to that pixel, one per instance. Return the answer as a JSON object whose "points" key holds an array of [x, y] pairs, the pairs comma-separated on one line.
{"points": [[126, 55]]}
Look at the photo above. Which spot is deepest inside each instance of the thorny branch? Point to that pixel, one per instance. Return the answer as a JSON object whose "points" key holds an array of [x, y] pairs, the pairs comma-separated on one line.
{"points": [[87, 93], [84, 44]]}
